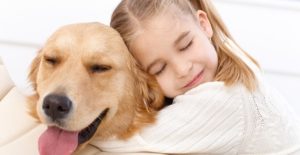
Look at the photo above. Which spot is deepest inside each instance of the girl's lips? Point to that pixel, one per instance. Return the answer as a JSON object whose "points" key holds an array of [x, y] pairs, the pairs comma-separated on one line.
{"points": [[197, 79]]}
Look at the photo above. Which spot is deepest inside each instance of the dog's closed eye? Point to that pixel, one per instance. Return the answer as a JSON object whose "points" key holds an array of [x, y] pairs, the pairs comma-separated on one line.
{"points": [[96, 68], [51, 60]]}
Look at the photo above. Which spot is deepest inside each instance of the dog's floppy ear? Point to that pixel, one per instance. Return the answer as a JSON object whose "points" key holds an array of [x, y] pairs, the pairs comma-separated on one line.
{"points": [[148, 88], [32, 76], [33, 69]]}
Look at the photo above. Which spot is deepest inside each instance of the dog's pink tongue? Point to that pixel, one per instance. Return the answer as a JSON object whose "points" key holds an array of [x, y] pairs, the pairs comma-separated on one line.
{"points": [[55, 141]]}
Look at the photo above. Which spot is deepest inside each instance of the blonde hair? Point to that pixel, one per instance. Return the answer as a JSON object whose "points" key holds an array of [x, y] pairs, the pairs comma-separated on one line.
{"points": [[130, 14]]}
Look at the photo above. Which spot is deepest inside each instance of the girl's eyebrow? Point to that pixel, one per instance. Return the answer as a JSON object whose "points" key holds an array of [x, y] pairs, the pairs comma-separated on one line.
{"points": [[181, 36]]}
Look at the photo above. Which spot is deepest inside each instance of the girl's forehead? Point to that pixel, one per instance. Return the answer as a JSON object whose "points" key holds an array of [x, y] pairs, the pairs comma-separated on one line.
{"points": [[159, 34], [163, 28]]}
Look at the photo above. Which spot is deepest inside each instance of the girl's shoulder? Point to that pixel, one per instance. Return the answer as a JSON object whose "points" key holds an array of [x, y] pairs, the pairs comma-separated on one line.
{"points": [[215, 87], [215, 92]]}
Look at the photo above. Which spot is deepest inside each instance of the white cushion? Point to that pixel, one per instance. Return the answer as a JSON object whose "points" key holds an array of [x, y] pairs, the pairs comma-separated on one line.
{"points": [[5, 82]]}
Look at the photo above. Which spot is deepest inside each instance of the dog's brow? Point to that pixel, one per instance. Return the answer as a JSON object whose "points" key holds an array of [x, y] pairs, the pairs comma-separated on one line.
{"points": [[52, 51], [97, 58]]}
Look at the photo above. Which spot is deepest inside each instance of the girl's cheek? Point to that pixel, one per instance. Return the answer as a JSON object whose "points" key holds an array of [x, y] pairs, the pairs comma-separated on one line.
{"points": [[164, 84]]}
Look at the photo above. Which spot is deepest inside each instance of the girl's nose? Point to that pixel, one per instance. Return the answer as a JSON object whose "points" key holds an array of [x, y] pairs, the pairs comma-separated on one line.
{"points": [[182, 68]]}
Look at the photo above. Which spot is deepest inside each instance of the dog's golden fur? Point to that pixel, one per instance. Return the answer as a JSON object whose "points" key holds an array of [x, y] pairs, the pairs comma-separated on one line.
{"points": [[66, 65]]}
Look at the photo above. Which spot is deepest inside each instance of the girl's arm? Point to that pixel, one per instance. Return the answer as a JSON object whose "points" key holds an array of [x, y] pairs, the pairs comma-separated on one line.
{"points": [[207, 119]]}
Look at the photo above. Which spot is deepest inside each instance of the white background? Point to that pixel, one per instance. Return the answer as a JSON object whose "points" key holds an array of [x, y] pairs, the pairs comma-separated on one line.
{"points": [[267, 29]]}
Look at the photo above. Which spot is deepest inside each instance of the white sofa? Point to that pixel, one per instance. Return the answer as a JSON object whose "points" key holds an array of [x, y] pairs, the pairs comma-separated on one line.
{"points": [[18, 131]]}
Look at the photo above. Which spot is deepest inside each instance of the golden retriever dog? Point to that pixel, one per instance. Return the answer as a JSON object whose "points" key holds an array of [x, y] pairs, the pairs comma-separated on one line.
{"points": [[88, 86]]}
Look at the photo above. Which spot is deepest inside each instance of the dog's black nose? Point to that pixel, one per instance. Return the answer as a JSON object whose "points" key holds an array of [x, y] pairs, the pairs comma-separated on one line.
{"points": [[57, 106]]}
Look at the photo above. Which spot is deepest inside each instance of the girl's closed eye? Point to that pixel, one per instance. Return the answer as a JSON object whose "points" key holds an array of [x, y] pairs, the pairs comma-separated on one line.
{"points": [[160, 70], [186, 46]]}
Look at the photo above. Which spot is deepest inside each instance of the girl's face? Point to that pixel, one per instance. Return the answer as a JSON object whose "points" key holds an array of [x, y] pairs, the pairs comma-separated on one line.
{"points": [[177, 50]]}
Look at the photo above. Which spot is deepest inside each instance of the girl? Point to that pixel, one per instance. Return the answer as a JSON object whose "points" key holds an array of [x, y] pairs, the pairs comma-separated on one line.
{"points": [[221, 104]]}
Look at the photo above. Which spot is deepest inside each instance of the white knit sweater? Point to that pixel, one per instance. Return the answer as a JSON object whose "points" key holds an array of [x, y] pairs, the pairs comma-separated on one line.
{"points": [[215, 119]]}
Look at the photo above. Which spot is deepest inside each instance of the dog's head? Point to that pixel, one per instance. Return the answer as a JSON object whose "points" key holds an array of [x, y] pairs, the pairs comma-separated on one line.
{"points": [[87, 85]]}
